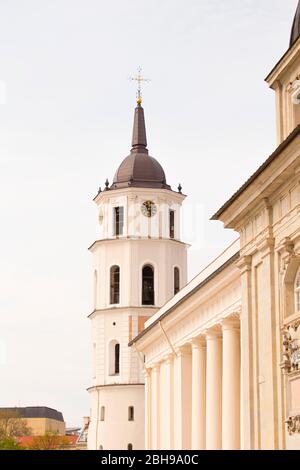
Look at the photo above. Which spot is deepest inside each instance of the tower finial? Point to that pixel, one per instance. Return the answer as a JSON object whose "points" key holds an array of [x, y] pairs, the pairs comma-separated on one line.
{"points": [[140, 80]]}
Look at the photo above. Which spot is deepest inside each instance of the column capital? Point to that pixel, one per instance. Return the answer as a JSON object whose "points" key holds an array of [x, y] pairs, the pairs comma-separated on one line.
{"points": [[169, 358], [183, 350], [215, 332], [230, 323], [198, 342], [155, 368]]}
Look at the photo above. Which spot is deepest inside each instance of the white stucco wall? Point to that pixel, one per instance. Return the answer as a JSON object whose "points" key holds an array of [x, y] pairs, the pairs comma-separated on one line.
{"points": [[116, 432]]}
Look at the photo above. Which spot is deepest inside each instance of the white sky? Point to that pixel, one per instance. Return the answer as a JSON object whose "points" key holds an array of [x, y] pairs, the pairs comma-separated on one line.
{"points": [[65, 127]]}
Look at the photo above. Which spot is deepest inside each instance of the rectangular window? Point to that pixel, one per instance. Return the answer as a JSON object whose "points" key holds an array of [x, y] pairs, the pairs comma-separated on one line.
{"points": [[102, 413], [131, 413], [176, 281], [118, 220], [172, 224], [115, 285], [117, 359]]}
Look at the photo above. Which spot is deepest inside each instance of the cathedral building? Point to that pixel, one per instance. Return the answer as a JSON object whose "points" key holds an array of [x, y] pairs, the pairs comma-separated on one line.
{"points": [[215, 363]]}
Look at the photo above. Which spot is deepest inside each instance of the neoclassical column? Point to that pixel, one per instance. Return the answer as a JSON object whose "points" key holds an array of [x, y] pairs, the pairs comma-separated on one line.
{"points": [[167, 403], [183, 398], [231, 384], [147, 375], [155, 407], [214, 389], [248, 409], [198, 393]]}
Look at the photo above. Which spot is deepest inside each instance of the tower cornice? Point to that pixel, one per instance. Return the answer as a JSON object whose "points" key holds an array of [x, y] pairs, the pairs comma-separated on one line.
{"points": [[105, 195], [136, 239], [120, 385], [149, 310]]}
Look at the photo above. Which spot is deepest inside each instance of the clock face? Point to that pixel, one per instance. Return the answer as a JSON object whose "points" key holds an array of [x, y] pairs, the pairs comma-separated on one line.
{"points": [[148, 209]]}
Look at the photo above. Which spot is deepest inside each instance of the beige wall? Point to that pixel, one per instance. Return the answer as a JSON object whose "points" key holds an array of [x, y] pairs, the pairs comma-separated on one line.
{"points": [[267, 264], [39, 426], [266, 215]]}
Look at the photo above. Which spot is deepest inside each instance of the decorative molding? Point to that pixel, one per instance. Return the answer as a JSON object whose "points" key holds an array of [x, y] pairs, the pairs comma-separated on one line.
{"points": [[266, 245], [286, 248], [294, 84], [291, 348], [244, 264], [286, 245], [293, 425]]}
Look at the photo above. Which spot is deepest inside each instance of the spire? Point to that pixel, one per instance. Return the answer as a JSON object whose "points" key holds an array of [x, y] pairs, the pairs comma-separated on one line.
{"points": [[139, 139], [296, 26]]}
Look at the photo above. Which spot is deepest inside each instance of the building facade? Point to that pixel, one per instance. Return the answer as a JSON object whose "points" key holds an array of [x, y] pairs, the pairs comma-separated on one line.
{"points": [[222, 358], [139, 263], [39, 419]]}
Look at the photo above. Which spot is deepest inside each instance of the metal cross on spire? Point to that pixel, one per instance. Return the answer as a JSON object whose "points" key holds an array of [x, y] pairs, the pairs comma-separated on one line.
{"points": [[140, 80]]}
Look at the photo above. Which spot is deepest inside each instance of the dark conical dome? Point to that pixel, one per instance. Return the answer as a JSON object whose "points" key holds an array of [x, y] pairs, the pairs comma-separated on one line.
{"points": [[139, 169], [296, 26]]}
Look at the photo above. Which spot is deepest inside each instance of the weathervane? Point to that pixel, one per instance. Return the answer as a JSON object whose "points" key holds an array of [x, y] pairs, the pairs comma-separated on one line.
{"points": [[140, 80]]}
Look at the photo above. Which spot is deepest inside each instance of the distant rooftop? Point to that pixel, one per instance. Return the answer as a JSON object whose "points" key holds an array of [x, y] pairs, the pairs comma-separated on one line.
{"points": [[35, 412]]}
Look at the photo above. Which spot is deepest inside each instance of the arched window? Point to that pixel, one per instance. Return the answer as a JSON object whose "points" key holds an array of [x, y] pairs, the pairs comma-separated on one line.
{"points": [[114, 358], [102, 413], [297, 292], [148, 285], [176, 280], [114, 285], [129, 447]]}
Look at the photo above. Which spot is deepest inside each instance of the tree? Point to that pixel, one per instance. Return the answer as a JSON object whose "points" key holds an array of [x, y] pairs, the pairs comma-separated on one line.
{"points": [[9, 443], [49, 441], [12, 425]]}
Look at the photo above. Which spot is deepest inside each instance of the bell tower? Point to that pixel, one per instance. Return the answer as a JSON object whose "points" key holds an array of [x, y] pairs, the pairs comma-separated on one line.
{"points": [[139, 263]]}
